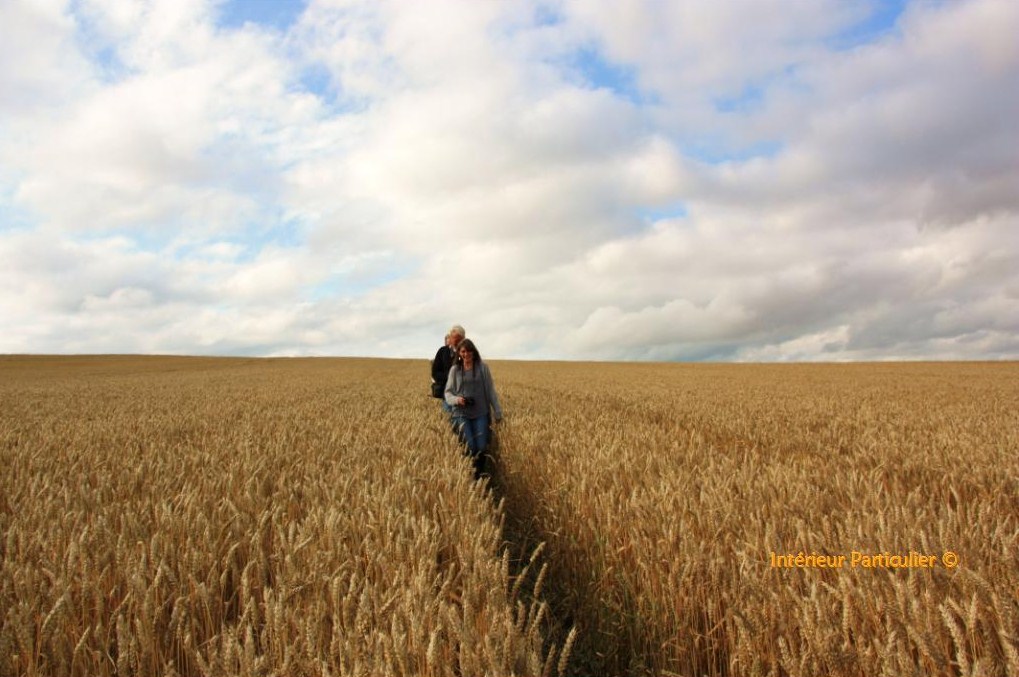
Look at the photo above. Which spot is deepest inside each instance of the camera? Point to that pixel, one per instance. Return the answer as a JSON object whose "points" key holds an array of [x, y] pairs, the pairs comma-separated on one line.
{"points": [[468, 401]]}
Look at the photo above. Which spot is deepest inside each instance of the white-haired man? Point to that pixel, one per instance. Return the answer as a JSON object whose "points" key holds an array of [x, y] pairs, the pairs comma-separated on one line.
{"points": [[444, 359]]}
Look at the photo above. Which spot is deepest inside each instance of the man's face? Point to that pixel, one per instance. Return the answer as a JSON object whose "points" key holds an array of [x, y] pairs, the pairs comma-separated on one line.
{"points": [[454, 339]]}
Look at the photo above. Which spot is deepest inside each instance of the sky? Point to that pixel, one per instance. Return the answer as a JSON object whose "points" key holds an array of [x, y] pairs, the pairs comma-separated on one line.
{"points": [[746, 180]]}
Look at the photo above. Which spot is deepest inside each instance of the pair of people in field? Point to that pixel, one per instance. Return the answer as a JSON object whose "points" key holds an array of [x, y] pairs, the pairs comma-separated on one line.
{"points": [[467, 392]]}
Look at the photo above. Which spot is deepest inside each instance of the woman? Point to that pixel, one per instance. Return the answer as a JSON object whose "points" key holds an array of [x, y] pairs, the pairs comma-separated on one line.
{"points": [[471, 392]]}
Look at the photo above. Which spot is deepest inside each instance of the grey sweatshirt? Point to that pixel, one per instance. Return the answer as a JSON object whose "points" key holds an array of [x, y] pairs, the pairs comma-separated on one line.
{"points": [[476, 383]]}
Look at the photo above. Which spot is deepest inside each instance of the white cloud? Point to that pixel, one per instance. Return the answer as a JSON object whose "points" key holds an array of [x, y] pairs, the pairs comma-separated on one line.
{"points": [[920, 127], [185, 137], [171, 185], [39, 64]]}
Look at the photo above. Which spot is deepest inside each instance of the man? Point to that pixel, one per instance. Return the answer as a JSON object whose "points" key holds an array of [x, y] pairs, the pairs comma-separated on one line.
{"points": [[444, 359]]}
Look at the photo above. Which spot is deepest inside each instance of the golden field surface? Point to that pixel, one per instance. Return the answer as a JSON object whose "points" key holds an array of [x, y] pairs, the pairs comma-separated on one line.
{"points": [[196, 516], [313, 516]]}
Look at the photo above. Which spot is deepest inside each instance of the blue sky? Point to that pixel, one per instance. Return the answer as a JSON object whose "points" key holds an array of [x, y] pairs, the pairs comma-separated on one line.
{"points": [[752, 180], [880, 20], [277, 14]]}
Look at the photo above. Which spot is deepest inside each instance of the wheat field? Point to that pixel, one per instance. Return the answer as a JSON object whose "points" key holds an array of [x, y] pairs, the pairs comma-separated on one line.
{"points": [[206, 516], [167, 516], [663, 490]]}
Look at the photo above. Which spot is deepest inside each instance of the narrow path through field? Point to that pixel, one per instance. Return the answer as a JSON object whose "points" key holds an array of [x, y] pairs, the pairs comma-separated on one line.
{"points": [[523, 534]]}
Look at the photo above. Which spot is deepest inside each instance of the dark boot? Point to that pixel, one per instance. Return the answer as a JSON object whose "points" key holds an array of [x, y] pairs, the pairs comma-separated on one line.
{"points": [[479, 465]]}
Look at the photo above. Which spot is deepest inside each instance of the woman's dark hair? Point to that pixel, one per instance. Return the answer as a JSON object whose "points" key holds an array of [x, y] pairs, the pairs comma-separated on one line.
{"points": [[469, 346]]}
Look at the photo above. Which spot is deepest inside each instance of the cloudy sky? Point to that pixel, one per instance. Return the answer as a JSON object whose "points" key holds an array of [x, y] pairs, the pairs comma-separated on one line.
{"points": [[746, 180]]}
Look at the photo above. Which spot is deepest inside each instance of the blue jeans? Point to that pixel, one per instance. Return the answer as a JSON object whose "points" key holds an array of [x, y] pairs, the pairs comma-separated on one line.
{"points": [[473, 432]]}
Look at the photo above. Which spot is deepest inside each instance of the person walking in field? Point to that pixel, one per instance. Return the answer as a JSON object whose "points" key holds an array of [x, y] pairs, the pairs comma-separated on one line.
{"points": [[470, 391], [443, 362]]}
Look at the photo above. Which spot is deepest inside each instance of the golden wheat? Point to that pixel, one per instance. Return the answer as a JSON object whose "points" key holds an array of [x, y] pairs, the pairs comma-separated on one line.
{"points": [[661, 491], [244, 517], [206, 516]]}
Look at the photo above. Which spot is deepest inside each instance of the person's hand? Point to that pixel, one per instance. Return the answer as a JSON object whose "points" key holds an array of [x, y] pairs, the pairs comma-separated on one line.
{"points": [[460, 401]]}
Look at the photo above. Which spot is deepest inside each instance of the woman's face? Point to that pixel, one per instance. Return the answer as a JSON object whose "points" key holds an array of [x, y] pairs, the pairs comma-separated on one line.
{"points": [[467, 356]]}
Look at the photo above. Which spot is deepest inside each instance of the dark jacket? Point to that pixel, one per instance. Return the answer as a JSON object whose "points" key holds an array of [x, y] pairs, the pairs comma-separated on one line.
{"points": [[441, 365]]}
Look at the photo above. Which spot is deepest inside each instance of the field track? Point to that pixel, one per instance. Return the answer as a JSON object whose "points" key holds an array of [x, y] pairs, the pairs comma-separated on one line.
{"points": [[164, 515]]}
